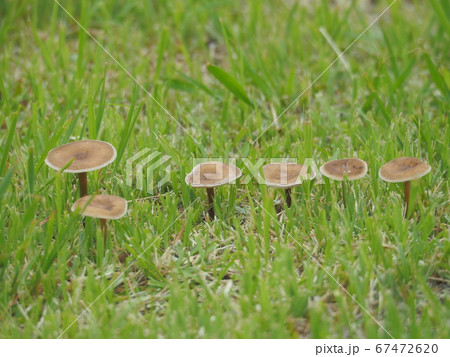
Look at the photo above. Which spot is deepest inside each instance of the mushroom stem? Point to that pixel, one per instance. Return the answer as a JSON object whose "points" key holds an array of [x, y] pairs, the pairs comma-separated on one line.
{"points": [[407, 189], [210, 192], [288, 197], [104, 228], [82, 177], [343, 193]]}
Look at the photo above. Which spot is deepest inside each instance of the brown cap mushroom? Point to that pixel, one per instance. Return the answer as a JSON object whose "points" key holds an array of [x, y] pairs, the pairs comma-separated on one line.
{"points": [[103, 207], [87, 155], [212, 174], [351, 169], [404, 169], [286, 175], [344, 169]]}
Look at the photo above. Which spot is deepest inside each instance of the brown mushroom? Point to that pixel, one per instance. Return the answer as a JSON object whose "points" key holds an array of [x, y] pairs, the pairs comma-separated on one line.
{"points": [[404, 169], [212, 174], [344, 169], [83, 156], [104, 207], [286, 175]]}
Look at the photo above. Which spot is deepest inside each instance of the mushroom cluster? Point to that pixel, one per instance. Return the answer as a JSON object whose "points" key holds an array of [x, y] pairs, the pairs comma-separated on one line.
{"points": [[287, 175], [81, 157]]}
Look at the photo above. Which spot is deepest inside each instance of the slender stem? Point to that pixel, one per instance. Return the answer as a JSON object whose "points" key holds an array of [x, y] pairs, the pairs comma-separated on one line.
{"points": [[82, 177], [210, 191], [288, 197], [343, 193], [407, 189], [104, 228]]}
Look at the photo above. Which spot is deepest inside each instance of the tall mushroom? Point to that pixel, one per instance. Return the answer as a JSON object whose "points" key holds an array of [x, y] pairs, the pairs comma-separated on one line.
{"points": [[344, 169], [85, 156], [286, 175], [404, 169], [212, 174], [104, 207]]}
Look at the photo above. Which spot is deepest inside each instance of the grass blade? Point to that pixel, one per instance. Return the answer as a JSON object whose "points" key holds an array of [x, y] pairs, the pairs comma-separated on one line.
{"points": [[230, 83], [7, 143], [441, 15], [5, 182], [437, 78], [128, 128]]}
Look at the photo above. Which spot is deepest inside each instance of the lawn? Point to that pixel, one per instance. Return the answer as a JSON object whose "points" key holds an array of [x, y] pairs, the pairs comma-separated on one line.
{"points": [[204, 79]]}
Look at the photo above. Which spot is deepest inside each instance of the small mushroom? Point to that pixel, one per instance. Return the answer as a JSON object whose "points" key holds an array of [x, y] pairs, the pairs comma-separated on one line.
{"points": [[84, 155], [103, 207], [286, 175], [344, 169], [404, 169], [212, 174]]}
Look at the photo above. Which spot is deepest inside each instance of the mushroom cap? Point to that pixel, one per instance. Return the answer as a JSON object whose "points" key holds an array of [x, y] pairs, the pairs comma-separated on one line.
{"points": [[403, 169], [286, 174], [352, 169], [87, 155], [101, 206], [212, 174]]}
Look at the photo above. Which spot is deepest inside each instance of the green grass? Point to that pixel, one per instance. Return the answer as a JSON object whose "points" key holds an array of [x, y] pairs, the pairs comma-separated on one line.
{"points": [[224, 69]]}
